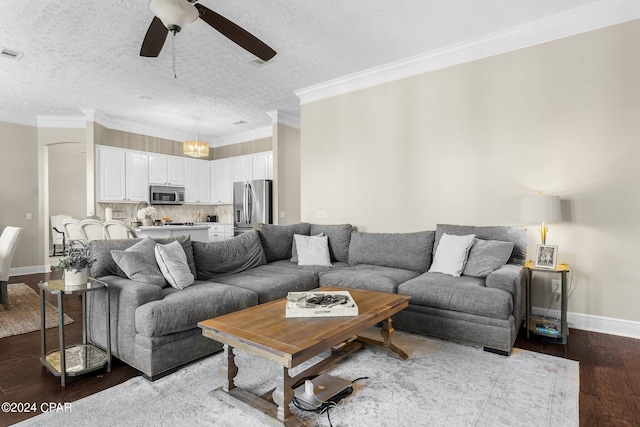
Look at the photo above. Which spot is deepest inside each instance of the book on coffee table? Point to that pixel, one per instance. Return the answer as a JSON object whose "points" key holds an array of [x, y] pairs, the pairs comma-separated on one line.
{"points": [[320, 304]]}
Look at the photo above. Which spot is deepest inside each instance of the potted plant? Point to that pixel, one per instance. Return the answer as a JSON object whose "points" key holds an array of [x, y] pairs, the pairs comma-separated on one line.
{"points": [[76, 264], [145, 215]]}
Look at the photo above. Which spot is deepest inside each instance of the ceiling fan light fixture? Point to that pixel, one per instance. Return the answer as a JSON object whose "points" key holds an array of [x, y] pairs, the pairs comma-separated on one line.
{"points": [[195, 148], [174, 14]]}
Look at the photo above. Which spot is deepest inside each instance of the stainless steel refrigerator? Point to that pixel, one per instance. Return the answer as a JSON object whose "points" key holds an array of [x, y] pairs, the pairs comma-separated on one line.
{"points": [[251, 204]]}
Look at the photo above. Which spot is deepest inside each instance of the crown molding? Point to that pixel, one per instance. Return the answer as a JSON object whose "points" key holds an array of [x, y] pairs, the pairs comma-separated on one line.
{"points": [[249, 135], [580, 20], [285, 118], [65, 122]]}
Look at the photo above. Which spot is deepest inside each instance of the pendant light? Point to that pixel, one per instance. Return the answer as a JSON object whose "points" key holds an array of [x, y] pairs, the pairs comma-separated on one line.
{"points": [[195, 148]]}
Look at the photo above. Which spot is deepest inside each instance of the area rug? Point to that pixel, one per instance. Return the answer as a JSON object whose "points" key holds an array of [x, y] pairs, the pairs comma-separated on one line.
{"points": [[24, 313], [441, 384]]}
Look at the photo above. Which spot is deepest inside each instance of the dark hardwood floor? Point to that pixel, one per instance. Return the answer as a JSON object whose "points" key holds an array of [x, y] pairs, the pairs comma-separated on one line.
{"points": [[609, 370]]}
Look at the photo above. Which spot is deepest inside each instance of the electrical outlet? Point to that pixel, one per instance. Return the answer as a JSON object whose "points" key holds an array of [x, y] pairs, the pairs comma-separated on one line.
{"points": [[322, 214]]}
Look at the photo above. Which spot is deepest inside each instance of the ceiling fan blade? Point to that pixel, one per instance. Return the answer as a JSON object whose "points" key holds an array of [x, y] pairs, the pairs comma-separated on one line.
{"points": [[236, 34], [154, 39]]}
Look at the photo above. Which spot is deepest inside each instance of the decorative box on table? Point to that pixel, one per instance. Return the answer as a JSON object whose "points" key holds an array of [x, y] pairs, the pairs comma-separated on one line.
{"points": [[320, 304]]}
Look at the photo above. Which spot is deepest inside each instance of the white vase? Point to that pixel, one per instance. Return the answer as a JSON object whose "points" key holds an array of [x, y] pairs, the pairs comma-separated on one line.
{"points": [[147, 221], [75, 278]]}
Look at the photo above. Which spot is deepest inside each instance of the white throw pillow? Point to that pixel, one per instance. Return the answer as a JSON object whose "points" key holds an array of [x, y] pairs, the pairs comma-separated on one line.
{"points": [[173, 264], [451, 254], [313, 250]]}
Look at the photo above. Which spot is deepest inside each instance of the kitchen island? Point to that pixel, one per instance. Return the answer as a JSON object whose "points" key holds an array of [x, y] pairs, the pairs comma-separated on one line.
{"points": [[197, 232]]}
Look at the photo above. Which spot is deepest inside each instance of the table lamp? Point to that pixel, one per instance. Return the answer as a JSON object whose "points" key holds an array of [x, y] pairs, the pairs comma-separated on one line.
{"points": [[541, 209]]}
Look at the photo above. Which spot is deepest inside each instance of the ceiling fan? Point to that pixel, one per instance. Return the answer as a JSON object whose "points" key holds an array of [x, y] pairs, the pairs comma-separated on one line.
{"points": [[173, 15]]}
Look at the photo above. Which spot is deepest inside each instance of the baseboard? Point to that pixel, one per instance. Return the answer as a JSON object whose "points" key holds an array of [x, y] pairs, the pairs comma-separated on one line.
{"points": [[32, 269], [593, 323]]}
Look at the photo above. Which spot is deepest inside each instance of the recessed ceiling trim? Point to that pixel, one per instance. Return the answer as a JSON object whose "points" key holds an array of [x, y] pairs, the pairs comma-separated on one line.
{"points": [[250, 135], [285, 118], [576, 21], [68, 122]]}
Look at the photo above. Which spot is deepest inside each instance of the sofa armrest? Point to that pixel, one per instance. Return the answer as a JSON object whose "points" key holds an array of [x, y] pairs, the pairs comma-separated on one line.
{"points": [[125, 296], [509, 277]]}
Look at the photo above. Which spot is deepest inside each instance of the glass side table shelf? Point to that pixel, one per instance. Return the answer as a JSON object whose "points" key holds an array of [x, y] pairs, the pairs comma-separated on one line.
{"points": [[555, 331], [77, 359]]}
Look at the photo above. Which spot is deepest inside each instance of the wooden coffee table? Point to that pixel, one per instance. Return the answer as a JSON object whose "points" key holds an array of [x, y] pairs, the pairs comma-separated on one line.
{"points": [[264, 330]]}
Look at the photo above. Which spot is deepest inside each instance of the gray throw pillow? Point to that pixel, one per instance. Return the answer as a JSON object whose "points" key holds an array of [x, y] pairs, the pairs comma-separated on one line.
{"points": [[277, 240], [139, 263], [229, 256], [487, 256], [339, 239]]}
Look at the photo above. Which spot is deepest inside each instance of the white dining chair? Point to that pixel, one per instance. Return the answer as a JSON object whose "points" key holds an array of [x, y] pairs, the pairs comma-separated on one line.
{"points": [[8, 244], [114, 229], [72, 230], [92, 229]]}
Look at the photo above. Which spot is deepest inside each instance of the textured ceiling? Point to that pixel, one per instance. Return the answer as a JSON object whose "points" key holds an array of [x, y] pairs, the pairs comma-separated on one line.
{"points": [[86, 54]]}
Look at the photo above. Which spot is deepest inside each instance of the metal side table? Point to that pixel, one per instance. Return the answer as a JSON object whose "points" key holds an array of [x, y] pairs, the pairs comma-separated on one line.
{"points": [[75, 359], [560, 334]]}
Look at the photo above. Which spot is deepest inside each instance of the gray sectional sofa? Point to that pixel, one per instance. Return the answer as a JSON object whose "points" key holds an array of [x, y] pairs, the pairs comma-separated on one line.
{"points": [[154, 326]]}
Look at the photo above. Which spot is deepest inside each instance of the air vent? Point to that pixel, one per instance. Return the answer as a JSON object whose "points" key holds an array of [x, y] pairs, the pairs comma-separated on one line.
{"points": [[239, 122], [10, 54]]}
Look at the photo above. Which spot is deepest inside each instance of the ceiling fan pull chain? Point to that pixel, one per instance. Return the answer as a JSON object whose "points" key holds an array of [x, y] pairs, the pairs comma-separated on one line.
{"points": [[173, 55]]}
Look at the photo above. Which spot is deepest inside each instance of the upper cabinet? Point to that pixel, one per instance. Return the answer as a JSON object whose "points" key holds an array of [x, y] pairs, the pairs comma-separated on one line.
{"points": [[262, 165], [252, 166], [166, 170], [221, 182], [122, 175], [197, 182]]}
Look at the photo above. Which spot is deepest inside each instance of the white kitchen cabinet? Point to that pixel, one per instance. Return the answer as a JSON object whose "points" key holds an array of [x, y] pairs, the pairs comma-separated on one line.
{"points": [[166, 170], [221, 189], [197, 182], [220, 232], [262, 165], [137, 176], [241, 168], [122, 175], [252, 166], [111, 174]]}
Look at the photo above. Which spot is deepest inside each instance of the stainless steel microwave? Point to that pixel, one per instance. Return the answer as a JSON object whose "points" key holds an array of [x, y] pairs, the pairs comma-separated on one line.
{"points": [[164, 195]]}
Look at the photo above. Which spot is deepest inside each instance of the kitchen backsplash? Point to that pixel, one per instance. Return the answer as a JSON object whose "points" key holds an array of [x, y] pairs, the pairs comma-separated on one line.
{"points": [[180, 213]]}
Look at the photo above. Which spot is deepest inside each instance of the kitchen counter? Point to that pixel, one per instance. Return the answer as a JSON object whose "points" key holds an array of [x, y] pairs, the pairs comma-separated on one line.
{"points": [[198, 232]]}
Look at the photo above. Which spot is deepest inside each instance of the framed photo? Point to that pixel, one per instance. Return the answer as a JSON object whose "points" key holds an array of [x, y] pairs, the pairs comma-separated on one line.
{"points": [[546, 256]]}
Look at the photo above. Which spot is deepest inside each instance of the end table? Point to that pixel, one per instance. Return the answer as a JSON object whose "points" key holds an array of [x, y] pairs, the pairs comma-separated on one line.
{"points": [[561, 336], [76, 359]]}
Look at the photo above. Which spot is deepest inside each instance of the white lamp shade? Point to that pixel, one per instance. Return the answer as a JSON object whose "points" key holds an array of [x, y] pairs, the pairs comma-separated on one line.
{"points": [[540, 209]]}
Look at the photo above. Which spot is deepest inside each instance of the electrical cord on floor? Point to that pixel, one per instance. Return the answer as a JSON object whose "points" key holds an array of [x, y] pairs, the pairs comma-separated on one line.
{"points": [[324, 405]]}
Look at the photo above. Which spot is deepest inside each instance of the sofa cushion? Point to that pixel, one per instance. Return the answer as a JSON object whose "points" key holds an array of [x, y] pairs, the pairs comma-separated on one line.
{"points": [[339, 239], [451, 255], [106, 266], [315, 268], [181, 310], [271, 282], [370, 277], [312, 250], [277, 239], [486, 256], [409, 251], [463, 294], [172, 262], [229, 256], [138, 262], [516, 235]]}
